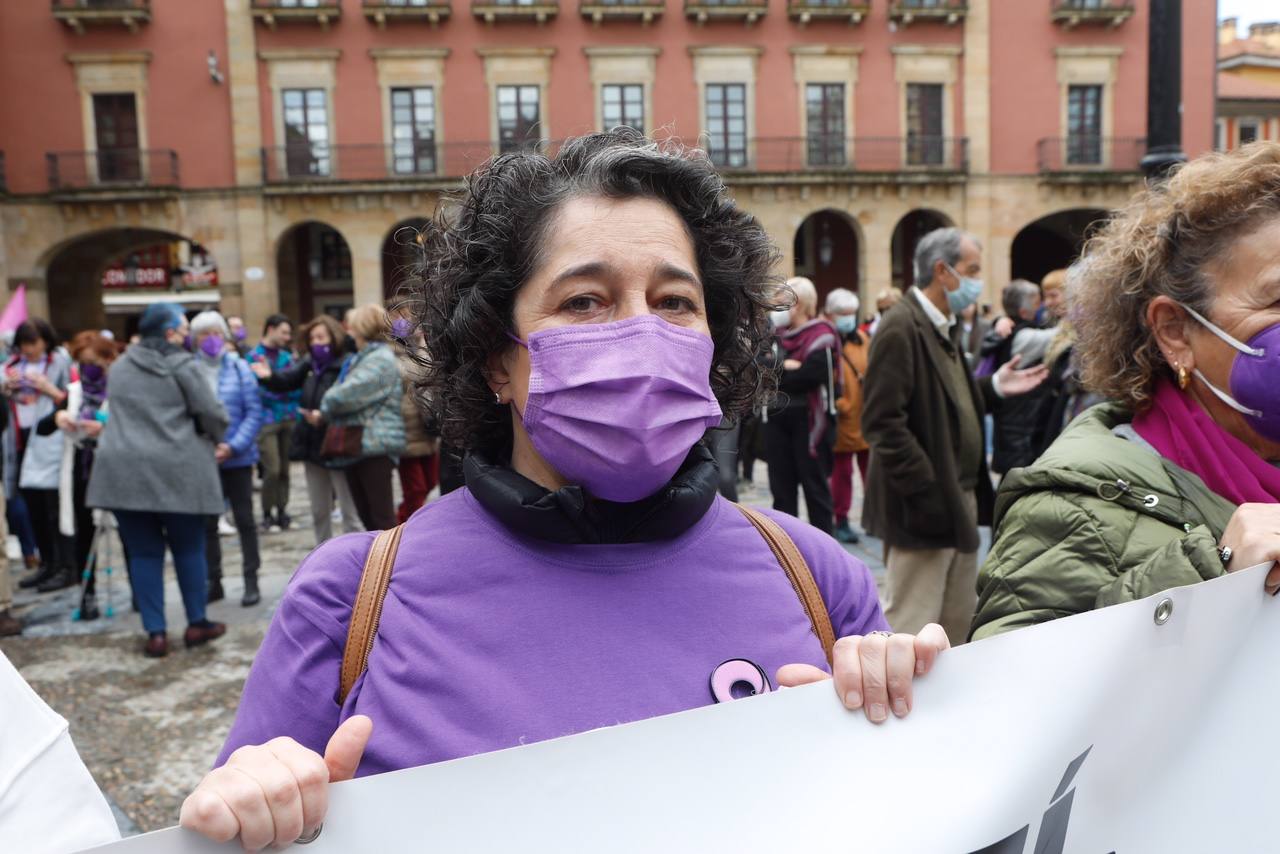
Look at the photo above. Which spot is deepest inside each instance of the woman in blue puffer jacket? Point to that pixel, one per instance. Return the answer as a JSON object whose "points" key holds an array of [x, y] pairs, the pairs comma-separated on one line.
{"points": [[237, 389]]}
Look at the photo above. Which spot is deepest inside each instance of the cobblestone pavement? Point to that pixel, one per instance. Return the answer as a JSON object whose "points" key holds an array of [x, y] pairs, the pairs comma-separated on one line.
{"points": [[148, 729]]}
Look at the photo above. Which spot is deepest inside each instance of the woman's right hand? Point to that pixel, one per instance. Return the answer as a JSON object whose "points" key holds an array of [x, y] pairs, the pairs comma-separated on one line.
{"points": [[274, 793], [261, 370], [1253, 535]]}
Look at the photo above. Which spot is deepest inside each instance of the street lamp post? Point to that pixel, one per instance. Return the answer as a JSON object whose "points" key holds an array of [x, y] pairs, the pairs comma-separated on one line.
{"points": [[1164, 89]]}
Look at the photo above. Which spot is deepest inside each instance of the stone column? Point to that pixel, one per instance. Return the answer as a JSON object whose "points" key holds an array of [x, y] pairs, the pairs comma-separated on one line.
{"points": [[977, 127], [262, 297]]}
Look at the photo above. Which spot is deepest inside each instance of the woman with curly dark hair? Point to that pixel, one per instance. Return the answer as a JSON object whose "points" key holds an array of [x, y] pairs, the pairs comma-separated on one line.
{"points": [[588, 318], [1176, 312]]}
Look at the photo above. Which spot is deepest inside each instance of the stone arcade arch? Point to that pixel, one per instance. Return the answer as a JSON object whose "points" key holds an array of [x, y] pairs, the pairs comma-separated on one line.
{"points": [[827, 250], [313, 267]]}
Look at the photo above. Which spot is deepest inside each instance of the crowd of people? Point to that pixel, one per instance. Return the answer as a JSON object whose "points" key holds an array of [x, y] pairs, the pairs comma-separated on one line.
{"points": [[162, 439], [598, 338]]}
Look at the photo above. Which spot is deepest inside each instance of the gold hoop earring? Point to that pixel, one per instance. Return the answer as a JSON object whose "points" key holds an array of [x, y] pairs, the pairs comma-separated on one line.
{"points": [[1184, 378]]}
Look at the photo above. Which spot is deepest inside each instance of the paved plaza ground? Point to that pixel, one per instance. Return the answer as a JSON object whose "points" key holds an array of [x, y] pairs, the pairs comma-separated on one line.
{"points": [[148, 729]]}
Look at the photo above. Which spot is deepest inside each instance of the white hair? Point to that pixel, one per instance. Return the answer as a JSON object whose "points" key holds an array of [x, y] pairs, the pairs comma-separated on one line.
{"points": [[209, 321], [806, 293], [842, 301]]}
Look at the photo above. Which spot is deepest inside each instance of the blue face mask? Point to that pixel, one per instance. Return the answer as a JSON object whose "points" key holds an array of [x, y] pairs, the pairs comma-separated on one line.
{"points": [[846, 323], [964, 296]]}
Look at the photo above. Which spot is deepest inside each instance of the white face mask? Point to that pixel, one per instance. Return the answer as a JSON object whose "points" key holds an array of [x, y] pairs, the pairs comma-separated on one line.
{"points": [[780, 319]]}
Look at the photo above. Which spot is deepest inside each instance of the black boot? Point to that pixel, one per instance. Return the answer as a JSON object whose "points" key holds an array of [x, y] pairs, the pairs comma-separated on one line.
{"points": [[46, 572], [215, 590], [251, 596], [61, 578]]}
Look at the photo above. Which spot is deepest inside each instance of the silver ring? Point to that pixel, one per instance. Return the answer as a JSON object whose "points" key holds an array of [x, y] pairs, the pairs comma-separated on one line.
{"points": [[307, 839], [881, 633]]}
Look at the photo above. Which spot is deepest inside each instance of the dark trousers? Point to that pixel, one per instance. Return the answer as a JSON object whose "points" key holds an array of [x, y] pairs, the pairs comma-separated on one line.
{"points": [[749, 445], [84, 516], [791, 467], [370, 482], [145, 536], [418, 476], [42, 504], [723, 442], [237, 488], [19, 519]]}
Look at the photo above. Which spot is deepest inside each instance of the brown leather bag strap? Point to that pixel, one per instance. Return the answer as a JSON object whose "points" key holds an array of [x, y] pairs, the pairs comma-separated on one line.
{"points": [[367, 611], [798, 573]]}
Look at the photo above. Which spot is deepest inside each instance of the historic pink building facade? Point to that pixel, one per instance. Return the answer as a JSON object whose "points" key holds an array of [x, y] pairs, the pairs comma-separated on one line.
{"points": [[263, 154]]}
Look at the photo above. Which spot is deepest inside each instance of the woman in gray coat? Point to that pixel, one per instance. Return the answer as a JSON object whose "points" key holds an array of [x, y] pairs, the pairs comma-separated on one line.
{"points": [[155, 469]]}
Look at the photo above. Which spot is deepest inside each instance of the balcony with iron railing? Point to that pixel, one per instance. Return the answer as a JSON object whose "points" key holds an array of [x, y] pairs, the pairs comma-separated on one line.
{"points": [[838, 154], [907, 12], [1083, 156], [78, 14], [493, 11], [130, 170], [425, 162], [407, 161], [382, 12], [748, 11], [1074, 13], [273, 12], [599, 11], [804, 11]]}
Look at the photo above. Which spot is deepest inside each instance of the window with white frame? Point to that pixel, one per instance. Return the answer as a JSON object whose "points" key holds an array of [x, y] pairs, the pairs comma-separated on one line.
{"points": [[825, 123], [925, 143], [1248, 131], [1084, 125], [306, 132], [726, 108], [413, 130], [622, 105], [519, 117]]}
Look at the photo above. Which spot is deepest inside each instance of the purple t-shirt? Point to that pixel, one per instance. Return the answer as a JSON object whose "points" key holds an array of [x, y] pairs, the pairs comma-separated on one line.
{"points": [[489, 639]]}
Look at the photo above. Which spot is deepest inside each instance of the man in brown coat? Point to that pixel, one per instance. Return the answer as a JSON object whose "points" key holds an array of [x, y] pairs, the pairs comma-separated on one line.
{"points": [[928, 488]]}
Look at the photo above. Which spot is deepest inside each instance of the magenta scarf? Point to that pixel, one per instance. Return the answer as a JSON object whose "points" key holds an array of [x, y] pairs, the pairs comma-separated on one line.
{"points": [[800, 344], [1184, 434]]}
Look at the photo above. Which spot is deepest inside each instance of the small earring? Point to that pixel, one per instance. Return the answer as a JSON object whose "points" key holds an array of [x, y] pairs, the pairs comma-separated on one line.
{"points": [[497, 397], [1184, 378]]}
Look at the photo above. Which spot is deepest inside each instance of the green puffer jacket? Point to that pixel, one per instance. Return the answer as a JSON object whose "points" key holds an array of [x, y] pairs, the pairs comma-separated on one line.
{"points": [[1097, 520]]}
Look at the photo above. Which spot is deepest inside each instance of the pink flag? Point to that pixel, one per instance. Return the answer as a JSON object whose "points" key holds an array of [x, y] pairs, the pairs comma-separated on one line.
{"points": [[16, 311]]}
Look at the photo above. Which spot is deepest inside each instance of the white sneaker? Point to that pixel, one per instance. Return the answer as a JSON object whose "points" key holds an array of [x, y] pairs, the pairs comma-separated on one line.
{"points": [[225, 528]]}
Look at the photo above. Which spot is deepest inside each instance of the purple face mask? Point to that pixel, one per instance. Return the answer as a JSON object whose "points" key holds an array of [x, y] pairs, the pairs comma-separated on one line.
{"points": [[212, 345], [1255, 392], [401, 327], [616, 407], [321, 355]]}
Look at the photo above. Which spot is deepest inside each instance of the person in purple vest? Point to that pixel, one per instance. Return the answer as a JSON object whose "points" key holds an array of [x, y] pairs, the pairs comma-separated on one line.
{"points": [[589, 317]]}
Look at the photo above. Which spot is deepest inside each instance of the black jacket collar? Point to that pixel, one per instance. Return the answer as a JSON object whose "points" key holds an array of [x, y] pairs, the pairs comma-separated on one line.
{"points": [[571, 517]]}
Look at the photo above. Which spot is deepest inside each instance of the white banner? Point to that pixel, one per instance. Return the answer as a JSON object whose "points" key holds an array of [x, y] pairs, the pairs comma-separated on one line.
{"points": [[1143, 727]]}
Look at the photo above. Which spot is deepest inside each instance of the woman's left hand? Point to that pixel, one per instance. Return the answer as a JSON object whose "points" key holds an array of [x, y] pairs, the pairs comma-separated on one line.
{"points": [[874, 672]]}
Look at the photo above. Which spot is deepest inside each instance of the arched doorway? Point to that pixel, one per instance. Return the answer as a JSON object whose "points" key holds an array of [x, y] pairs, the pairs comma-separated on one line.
{"points": [[906, 234], [105, 280], [826, 251], [401, 253], [313, 267], [1052, 242]]}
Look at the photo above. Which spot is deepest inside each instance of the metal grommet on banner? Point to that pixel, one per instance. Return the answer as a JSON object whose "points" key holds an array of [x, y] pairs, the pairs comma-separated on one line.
{"points": [[1151, 500], [308, 838], [1164, 610]]}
